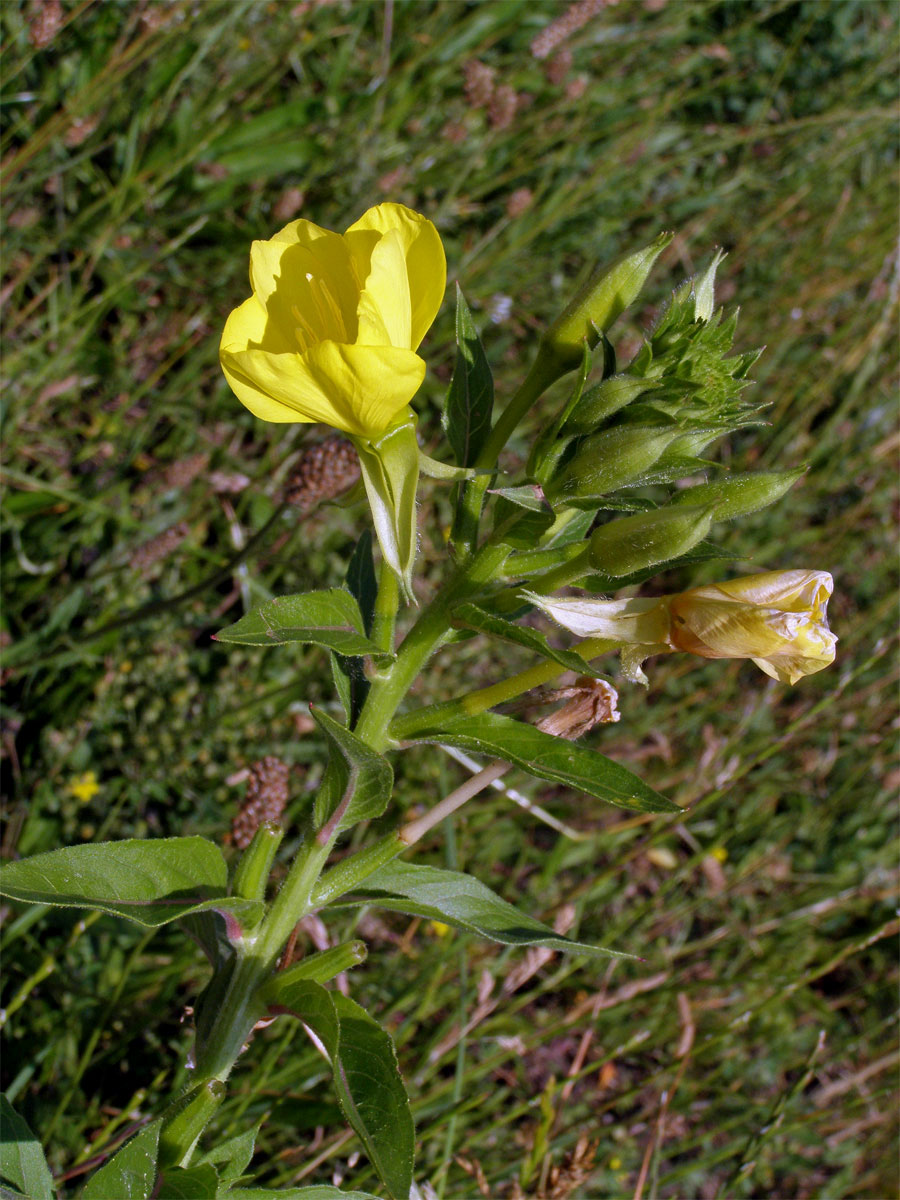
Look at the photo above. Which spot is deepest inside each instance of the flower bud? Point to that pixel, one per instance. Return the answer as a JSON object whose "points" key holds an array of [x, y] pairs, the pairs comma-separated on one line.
{"points": [[252, 873], [602, 299], [609, 460], [632, 544], [704, 289], [602, 401], [777, 619], [738, 495]]}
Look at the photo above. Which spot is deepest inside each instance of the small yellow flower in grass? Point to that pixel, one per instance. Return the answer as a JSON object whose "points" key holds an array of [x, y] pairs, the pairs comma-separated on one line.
{"points": [[438, 928], [330, 334], [719, 853], [777, 619], [84, 787]]}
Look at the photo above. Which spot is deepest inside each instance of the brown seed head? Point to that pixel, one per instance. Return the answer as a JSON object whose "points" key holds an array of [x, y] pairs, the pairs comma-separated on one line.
{"points": [[323, 471]]}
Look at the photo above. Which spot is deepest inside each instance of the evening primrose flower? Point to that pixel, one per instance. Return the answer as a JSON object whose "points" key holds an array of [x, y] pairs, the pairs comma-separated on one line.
{"points": [[331, 330], [330, 335], [777, 619]]}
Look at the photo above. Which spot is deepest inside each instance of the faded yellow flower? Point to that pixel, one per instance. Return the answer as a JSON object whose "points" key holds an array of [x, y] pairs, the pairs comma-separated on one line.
{"points": [[777, 619], [331, 330]]}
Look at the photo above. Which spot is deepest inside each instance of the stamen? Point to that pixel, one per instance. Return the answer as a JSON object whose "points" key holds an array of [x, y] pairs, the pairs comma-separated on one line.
{"points": [[325, 318]]}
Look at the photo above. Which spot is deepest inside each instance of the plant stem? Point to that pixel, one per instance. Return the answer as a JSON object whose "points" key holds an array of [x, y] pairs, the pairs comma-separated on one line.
{"points": [[423, 639], [242, 1006], [386, 604], [544, 371]]}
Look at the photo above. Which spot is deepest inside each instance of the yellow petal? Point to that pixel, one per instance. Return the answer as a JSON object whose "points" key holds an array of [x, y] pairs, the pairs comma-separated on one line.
{"points": [[426, 264], [384, 305], [727, 629], [791, 591], [358, 389], [304, 278]]}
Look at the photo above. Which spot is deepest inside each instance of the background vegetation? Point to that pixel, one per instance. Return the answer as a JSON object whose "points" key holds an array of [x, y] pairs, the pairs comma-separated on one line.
{"points": [[753, 1051]]}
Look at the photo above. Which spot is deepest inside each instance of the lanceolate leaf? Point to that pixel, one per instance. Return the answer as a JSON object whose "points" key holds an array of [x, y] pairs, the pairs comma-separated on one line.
{"points": [[188, 1183], [22, 1161], [150, 882], [319, 1191], [360, 780], [131, 1173], [465, 902], [470, 400], [331, 618], [349, 674], [366, 1078], [548, 757], [470, 616]]}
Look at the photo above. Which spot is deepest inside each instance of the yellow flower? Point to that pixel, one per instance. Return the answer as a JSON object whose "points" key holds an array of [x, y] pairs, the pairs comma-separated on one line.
{"points": [[84, 787], [777, 619], [331, 330]]}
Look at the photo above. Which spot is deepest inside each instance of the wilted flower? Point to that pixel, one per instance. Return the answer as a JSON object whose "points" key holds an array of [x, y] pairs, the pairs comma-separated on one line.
{"points": [[332, 327], [777, 619]]}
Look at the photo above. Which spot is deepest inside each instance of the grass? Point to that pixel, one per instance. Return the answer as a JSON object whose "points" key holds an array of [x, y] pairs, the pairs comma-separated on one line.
{"points": [[753, 1051]]}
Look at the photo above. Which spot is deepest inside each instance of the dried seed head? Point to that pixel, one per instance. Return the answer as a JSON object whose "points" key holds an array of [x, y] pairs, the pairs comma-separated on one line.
{"points": [[323, 471], [47, 19], [150, 553], [479, 82], [268, 788], [519, 201], [590, 702], [574, 18], [502, 107], [184, 471], [559, 66]]}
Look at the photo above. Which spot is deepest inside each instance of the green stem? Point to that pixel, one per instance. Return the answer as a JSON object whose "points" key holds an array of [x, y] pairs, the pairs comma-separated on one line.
{"points": [[242, 1005], [544, 370], [389, 689], [386, 604]]}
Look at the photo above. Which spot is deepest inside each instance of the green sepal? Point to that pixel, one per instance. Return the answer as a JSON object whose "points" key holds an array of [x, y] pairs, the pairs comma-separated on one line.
{"points": [[630, 544], [390, 471], [435, 469]]}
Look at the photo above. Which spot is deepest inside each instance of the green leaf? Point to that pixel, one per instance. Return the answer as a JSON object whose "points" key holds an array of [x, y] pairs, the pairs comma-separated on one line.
{"points": [[473, 617], [150, 882], [188, 1183], [467, 903], [331, 618], [528, 495], [232, 1157], [359, 780], [22, 1161], [319, 1191], [547, 757], [131, 1173], [470, 398], [349, 672], [366, 1077]]}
